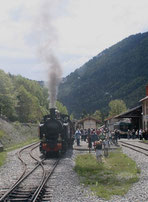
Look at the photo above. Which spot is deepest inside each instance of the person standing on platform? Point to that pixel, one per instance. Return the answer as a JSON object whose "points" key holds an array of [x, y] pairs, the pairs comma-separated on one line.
{"points": [[110, 137], [119, 135], [140, 134], [116, 137], [137, 134], [106, 146], [128, 134], [85, 135], [89, 139], [99, 150], [143, 134], [77, 136], [82, 134], [133, 133], [94, 137]]}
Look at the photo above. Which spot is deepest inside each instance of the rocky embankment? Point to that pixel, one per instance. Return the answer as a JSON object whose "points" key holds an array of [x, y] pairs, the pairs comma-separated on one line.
{"points": [[15, 133]]}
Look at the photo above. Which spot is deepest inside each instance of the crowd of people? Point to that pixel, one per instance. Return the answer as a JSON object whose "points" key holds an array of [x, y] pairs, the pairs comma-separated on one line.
{"points": [[101, 139], [92, 135], [139, 134]]}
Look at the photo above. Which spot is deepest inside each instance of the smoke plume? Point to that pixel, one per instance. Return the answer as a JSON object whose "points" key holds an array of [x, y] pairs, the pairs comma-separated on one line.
{"points": [[54, 78], [48, 40]]}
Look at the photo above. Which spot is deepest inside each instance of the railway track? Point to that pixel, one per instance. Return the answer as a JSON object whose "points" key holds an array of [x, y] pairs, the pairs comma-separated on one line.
{"points": [[31, 185], [134, 147]]}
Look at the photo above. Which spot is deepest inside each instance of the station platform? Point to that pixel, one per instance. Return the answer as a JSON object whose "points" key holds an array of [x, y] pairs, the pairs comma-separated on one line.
{"points": [[84, 146]]}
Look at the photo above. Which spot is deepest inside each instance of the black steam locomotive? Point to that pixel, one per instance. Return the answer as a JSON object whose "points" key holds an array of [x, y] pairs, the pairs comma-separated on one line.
{"points": [[56, 133]]}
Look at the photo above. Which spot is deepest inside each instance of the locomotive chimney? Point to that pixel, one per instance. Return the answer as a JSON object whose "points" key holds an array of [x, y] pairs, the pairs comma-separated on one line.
{"points": [[52, 113]]}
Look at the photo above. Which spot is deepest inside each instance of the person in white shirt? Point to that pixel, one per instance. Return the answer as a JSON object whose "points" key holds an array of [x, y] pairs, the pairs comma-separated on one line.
{"points": [[78, 136]]}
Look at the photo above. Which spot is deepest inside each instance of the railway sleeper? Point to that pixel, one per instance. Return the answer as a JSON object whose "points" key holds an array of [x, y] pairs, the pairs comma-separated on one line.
{"points": [[48, 199], [23, 191], [20, 195], [19, 200]]}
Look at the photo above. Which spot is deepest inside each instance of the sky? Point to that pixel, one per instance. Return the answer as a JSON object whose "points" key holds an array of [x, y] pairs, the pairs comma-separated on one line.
{"points": [[73, 30]]}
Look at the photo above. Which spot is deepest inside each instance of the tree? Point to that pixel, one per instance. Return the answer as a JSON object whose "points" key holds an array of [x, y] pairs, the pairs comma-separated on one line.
{"points": [[71, 117], [34, 88], [117, 107], [36, 95], [7, 106], [97, 115], [22, 99], [7, 97], [62, 109], [84, 114], [29, 109]]}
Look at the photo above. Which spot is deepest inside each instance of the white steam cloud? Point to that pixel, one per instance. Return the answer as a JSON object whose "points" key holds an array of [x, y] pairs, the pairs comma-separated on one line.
{"points": [[48, 40]]}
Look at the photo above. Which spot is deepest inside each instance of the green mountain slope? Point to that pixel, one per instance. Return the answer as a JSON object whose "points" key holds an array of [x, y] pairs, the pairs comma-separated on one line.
{"points": [[120, 72]]}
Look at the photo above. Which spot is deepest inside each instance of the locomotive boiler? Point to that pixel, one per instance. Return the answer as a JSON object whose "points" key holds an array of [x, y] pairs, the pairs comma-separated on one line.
{"points": [[55, 133]]}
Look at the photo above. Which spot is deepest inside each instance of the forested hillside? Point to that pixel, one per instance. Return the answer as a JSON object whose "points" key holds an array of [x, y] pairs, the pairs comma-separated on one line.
{"points": [[119, 72], [23, 100]]}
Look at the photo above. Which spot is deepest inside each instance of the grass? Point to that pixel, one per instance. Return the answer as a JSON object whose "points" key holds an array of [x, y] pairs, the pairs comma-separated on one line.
{"points": [[2, 133], [20, 145], [3, 155], [114, 176]]}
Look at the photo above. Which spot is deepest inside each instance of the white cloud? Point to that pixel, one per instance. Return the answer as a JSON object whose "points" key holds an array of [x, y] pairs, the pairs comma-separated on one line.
{"points": [[83, 29], [96, 24]]}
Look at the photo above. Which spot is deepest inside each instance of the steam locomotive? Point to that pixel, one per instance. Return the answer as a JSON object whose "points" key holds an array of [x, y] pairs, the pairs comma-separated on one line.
{"points": [[55, 133]]}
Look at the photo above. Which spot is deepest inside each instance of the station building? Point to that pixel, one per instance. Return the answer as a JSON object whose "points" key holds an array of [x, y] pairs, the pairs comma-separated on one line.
{"points": [[109, 123], [144, 103], [137, 115], [88, 122]]}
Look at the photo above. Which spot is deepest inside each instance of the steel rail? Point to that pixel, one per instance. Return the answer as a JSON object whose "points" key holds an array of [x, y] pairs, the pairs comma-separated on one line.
{"points": [[23, 176], [124, 145], [19, 157], [43, 183], [134, 145]]}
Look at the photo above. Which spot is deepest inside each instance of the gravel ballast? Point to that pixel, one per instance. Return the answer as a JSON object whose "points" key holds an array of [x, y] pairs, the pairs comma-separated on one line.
{"points": [[67, 186]]}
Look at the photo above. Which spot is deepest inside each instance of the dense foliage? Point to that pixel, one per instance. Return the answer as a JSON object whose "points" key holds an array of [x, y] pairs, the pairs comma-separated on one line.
{"points": [[24, 100], [120, 72], [117, 107]]}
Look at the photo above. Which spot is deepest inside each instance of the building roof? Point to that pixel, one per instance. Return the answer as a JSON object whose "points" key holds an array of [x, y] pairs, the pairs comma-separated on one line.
{"points": [[89, 118], [144, 99], [109, 118], [131, 113]]}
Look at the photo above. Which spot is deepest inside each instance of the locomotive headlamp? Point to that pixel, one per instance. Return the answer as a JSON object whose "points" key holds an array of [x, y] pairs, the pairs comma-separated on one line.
{"points": [[59, 138]]}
